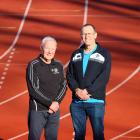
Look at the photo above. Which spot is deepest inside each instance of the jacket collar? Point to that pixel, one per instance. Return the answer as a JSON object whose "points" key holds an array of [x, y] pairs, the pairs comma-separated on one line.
{"points": [[81, 49]]}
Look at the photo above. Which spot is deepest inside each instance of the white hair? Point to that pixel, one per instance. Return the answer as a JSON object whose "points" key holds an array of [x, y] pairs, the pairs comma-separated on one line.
{"points": [[45, 39]]}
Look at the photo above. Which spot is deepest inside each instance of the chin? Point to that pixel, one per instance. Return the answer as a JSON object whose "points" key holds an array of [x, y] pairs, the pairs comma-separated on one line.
{"points": [[87, 44], [49, 58]]}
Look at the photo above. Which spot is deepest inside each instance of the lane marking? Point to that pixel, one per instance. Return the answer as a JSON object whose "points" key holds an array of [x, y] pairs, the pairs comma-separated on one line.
{"points": [[54, 10], [78, 15], [7, 27], [11, 49], [1, 82], [18, 136], [131, 137], [124, 81], [6, 67], [19, 31], [121, 135], [65, 116], [14, 97], [9, 60], [85, 12], [2, 77]]}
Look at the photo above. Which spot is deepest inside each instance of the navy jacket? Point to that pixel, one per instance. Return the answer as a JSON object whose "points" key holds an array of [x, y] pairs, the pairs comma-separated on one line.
{"points": [[97, 73]]}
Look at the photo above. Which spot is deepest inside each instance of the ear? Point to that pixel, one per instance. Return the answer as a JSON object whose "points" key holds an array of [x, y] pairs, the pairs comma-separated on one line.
{"points": [[95, 35], [41, 50]]}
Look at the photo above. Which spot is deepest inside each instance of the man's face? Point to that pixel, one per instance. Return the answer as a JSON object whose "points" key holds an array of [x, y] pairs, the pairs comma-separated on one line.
{"points": [[49, 49], [88, 35]]}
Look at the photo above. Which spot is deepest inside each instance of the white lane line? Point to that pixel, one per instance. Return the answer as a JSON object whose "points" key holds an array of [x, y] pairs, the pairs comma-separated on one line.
{"points": [[5, 69], [2, 77], [11, 56], [14, 97], [84, 22], [65, 116], [19, 31], [121, 135], [74, 15], [85, 12], [11, 49], [54, 10], [7, 27], [26, 133], [51, 15], [18, 64], [7, 65], [18, 136], [65, 66], [1, 82], [124, 81], [131, 137], [8, 61], [4, 73]]}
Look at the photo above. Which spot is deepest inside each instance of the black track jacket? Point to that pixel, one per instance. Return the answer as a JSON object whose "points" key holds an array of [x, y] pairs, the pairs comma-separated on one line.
{"points": [[45, 83], [97, 73]]}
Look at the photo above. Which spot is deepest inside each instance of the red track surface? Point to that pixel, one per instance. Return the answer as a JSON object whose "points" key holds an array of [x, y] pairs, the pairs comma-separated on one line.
{"points": [[118, 29]]}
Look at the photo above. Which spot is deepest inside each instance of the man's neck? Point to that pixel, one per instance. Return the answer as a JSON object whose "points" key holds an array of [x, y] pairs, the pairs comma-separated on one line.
{"points": [[47, 61], [89, 48]]}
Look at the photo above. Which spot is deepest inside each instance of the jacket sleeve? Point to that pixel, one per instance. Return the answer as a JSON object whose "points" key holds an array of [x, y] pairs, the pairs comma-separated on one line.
{"points": [[72, 83], [102, 79], [63, 88], [33, 86]]}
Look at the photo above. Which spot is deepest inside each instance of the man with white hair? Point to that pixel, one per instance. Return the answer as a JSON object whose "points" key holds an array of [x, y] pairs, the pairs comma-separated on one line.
{"points": [[47, 87]]}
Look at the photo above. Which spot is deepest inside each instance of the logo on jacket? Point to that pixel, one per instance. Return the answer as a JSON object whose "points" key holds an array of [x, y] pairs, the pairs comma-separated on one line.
{"points": [[77, 57], [55, 70], [97, 57]]}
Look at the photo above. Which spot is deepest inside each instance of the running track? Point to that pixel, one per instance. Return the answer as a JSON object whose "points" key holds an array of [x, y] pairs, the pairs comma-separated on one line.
{"points": [[23, 25]]}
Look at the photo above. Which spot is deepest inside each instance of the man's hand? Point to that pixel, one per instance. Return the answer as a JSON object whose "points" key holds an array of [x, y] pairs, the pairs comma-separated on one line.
{"points": [[82, 94], [54, 107]]}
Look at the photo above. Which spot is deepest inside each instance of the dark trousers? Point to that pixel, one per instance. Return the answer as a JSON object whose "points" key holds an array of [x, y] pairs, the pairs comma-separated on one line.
{"points": [[95, 112], [37, 120]]}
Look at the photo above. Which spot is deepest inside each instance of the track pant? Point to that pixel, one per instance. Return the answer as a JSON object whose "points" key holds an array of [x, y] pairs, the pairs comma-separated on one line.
{"points": [[37, 120]]}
